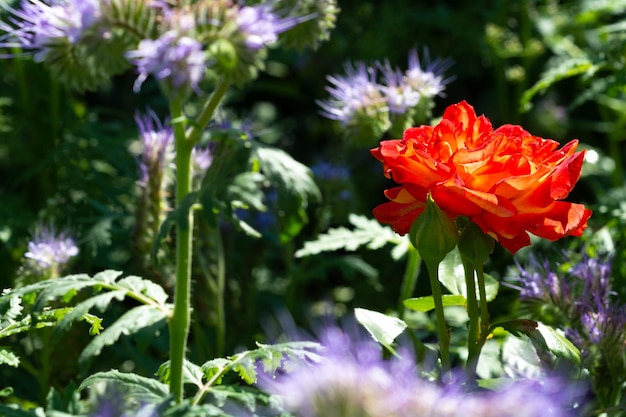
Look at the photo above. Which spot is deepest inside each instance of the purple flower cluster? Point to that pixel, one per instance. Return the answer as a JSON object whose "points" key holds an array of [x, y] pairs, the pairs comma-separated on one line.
{"points": [[353, 380], [261, 25], [583, 295], [38, 27], [400, 91], [50, 250], [179, 60], [157, 151]]}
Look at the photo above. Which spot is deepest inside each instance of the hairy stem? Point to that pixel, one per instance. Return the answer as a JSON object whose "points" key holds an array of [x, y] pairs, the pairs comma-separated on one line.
{"points": [[484, 311], [179, 322]]}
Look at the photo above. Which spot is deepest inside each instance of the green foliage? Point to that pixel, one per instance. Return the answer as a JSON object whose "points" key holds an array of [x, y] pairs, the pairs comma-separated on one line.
{"points": [[137, 386], [425, 304], [367, 232], [452, 276], [384, 329]]}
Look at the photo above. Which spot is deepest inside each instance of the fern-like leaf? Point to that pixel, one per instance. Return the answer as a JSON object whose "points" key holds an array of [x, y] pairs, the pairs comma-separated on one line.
{"points": [[131, 322], [366, 232], [7, 357]]}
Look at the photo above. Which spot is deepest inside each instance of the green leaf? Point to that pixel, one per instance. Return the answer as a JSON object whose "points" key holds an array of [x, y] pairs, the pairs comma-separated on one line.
{"points": [[144, 287], [427, 303], [101, 301], [192, 373], [566, 68], [367, 232], [384, 329], [452, 276], [136, 386], [6, 392], [9, 411], [545, 339], [7, 357], [130, 322]]}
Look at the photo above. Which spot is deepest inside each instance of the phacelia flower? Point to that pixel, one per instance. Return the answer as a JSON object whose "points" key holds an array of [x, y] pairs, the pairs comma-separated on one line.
{"points": [[506, 181], [352, 380], [261, 25], [429, 82], [177, 60], [49, 250], [39, 26], [157, 152], [353, 95]]}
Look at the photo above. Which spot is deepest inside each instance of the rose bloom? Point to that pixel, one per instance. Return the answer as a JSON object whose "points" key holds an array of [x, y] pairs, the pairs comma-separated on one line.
{"points": [[505, 180]]}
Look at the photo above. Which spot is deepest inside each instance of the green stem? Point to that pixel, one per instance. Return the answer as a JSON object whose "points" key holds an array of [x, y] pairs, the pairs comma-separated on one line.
{"points": [[219, 293], [206, 114], [410, 277], [472, 311], [484, 311], [179, 323], [442, 328]]}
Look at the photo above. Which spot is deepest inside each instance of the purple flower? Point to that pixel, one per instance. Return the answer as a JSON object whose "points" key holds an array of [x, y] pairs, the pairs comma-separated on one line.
{"points": [[113, 404], [39, 27], [178, 59], [49, 249], [401, 96], [157, 151], [355, 93], [261, 26], [428, 82], [352, 379]]}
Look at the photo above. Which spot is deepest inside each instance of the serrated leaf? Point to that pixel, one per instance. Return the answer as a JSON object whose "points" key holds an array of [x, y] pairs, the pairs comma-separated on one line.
{"points": [[130, 322], [53, 288], [7, 357], [367, 232], [383, 328], [136, 386], [427, 303], [566, 68], [144, 287], [246, 368], [101, 301], [108, 276], [192, 373]]}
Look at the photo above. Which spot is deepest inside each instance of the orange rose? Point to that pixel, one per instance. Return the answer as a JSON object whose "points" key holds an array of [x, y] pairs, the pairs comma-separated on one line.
{"points": [[506, 181]]}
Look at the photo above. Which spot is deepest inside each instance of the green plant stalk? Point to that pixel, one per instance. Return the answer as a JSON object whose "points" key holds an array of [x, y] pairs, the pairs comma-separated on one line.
{"points": [[179, 322], [410, 278], [203, 119], [219, 294], [484, 311], [472, 311], [442, 328]]}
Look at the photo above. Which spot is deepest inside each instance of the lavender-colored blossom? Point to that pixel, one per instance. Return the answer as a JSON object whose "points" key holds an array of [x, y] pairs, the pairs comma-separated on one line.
{"points": [[352, 379], [261, 25], [38, 27], [401, 96], [172, 57], [157, 149], [430, 81], [50, 249], [113, 404], [356, 92]]}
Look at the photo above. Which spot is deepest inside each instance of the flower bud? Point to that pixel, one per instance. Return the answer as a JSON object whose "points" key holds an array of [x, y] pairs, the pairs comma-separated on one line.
{"points": [[433, 234], [474, 245]]}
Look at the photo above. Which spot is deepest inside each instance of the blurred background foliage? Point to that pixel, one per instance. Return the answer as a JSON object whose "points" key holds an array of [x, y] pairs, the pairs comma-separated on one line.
{"points": [[555, 67]]}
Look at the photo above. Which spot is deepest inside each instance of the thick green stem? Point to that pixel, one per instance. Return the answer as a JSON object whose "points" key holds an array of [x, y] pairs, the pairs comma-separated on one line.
{"points": [[442, 328], [473, 348], [179, 322], [219, 293], [410, 277]]}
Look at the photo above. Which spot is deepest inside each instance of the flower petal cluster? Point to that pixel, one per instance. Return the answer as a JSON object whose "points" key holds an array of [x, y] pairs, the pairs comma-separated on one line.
{"points": [[261, 25], [157, 147], [507, 181], [49, 251], [179, 60], [38, 26], [352, 380]]}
